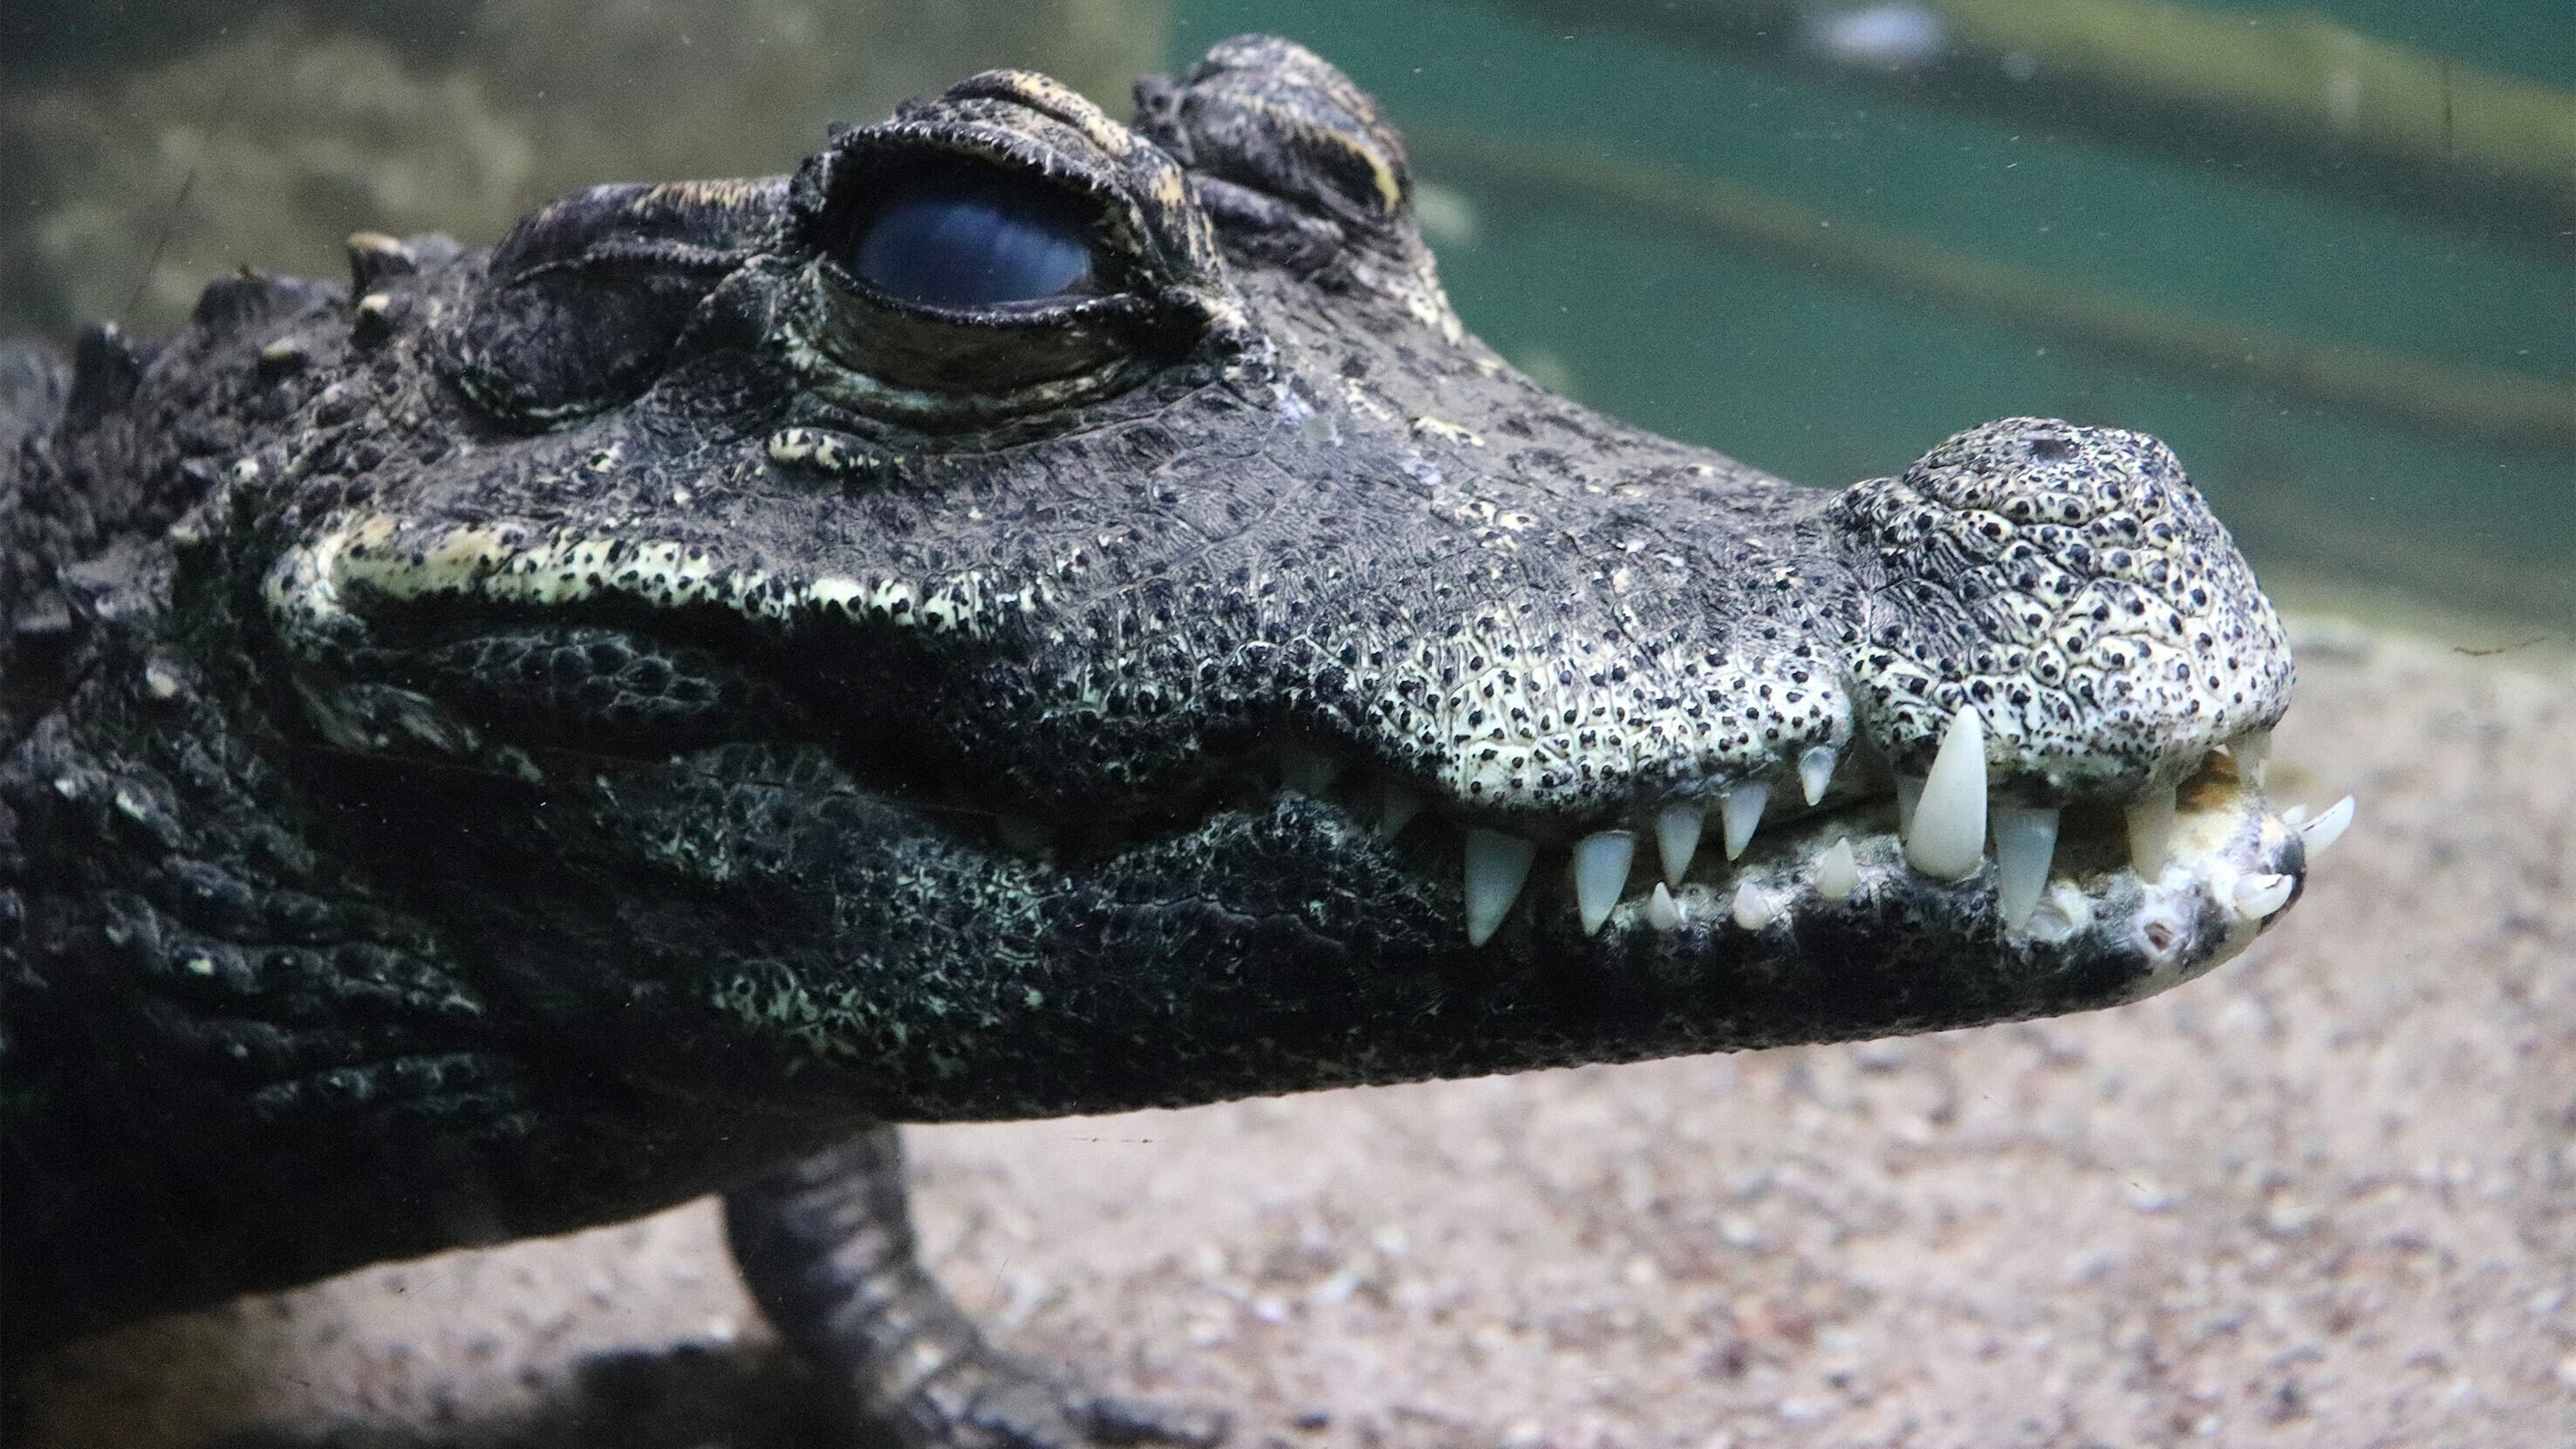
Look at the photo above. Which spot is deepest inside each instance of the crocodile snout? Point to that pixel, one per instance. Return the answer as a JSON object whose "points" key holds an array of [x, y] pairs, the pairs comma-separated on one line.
{"points": [[2071, 585]]}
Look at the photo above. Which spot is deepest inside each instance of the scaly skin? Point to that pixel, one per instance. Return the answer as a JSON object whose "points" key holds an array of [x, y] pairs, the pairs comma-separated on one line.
{"points": [[548, 733]]}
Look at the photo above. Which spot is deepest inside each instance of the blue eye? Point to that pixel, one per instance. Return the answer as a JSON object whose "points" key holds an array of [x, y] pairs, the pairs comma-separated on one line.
{"points": [[974, 242]]}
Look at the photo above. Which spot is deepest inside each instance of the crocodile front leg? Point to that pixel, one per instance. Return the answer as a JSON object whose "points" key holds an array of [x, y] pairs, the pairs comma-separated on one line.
{"points": [[826, 1246]]}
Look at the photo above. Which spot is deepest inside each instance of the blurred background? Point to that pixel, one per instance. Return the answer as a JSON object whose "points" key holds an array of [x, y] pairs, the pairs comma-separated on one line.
{"points": [[2328, 252]]}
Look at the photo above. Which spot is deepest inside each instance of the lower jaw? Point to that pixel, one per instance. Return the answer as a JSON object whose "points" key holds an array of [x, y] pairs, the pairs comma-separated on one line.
{"points": [[1292, 947], [1831, 872], [1387, 965]]}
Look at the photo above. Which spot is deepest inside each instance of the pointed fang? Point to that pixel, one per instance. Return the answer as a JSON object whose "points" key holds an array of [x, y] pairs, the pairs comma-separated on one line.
{"points": [[1742, 808], [1677, 838], [2151, 823], [1837, 872], [1753, 907], [1497, 864], [2327, 828], [1662, 911], [1600, 874], [1948, 838], [1816, 771], [2258, 896], [2025, 842], [2069, 913]]}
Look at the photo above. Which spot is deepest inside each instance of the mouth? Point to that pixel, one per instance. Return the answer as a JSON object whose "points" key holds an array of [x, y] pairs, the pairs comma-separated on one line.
{"points": [[2176, 882], [2170, 883], [479, 647]]}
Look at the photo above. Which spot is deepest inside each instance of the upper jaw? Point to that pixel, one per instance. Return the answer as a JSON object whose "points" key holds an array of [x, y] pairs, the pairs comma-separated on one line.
{"points": [[1740, 824]]}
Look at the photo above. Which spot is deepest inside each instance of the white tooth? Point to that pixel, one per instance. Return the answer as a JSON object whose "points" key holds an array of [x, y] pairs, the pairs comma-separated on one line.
{"points": [[2294, 815], [1742, 807], [1816, 771], [2327, 828], [1753, 907], [1837, 872], [2252, 749], [1396, 809], [2260, 895], [1948, 838], [2025, 842], [1662, 911], [1307, 770], [1909, 793], [2151, 822], [1497, 864], [2069, 912], [1677, 838], [1600, 874]]}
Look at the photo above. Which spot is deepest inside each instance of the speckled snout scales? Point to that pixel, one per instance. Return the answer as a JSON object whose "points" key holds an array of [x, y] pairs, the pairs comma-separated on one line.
{"points": [[1027, 615]]}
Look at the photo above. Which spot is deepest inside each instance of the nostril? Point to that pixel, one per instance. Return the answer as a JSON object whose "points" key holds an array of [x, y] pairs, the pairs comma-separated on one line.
{"points": [[2050, 450]]}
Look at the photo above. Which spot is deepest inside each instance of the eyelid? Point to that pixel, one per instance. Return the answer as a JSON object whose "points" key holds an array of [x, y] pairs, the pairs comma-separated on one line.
{"points": [[1155, 290], [873, 171]]}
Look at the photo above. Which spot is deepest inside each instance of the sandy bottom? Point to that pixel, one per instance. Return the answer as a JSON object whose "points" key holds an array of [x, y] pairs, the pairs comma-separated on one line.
{"points": [[2324, 1197]]}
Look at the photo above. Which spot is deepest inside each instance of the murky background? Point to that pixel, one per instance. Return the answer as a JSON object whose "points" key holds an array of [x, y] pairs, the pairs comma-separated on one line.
{"points": [[2329, 254]]}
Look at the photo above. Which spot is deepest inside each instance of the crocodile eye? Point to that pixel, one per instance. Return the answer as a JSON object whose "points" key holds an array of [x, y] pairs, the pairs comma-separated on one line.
{"points": [[970, 242], [1001, 252]]}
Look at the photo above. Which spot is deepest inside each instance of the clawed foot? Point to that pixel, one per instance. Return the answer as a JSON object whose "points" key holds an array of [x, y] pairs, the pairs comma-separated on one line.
{"points": [[825, 1245], [995, 1401]]}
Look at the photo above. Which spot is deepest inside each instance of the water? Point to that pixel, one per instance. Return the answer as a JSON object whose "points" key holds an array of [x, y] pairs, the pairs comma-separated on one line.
{"points": [[1826, 380]]}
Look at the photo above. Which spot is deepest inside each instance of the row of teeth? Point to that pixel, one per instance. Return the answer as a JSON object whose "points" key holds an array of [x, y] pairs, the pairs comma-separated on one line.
{"points": [[1498, 864], [1944, 819]]}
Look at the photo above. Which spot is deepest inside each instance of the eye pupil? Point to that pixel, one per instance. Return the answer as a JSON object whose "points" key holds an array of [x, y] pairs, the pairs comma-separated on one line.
{"points": [[974, 242]]}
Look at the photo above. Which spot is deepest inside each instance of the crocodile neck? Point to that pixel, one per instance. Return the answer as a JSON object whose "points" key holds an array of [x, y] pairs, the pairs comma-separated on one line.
{"points": [[233, 1061]]}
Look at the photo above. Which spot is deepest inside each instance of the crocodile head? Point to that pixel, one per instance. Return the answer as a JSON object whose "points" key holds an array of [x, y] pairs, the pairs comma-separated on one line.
{"points": [[1035, 614]]}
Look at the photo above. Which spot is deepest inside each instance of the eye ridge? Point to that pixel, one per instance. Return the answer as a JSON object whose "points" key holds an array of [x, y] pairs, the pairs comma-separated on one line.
{"points": [[972, 239]]}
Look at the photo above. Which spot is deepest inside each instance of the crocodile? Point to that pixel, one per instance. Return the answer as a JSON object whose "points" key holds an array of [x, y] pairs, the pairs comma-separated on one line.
{"points": [[1027, 615]]}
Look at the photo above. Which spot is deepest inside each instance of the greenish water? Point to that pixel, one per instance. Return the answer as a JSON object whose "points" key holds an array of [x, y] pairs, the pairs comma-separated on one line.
{"points": [[1826, 380]]}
